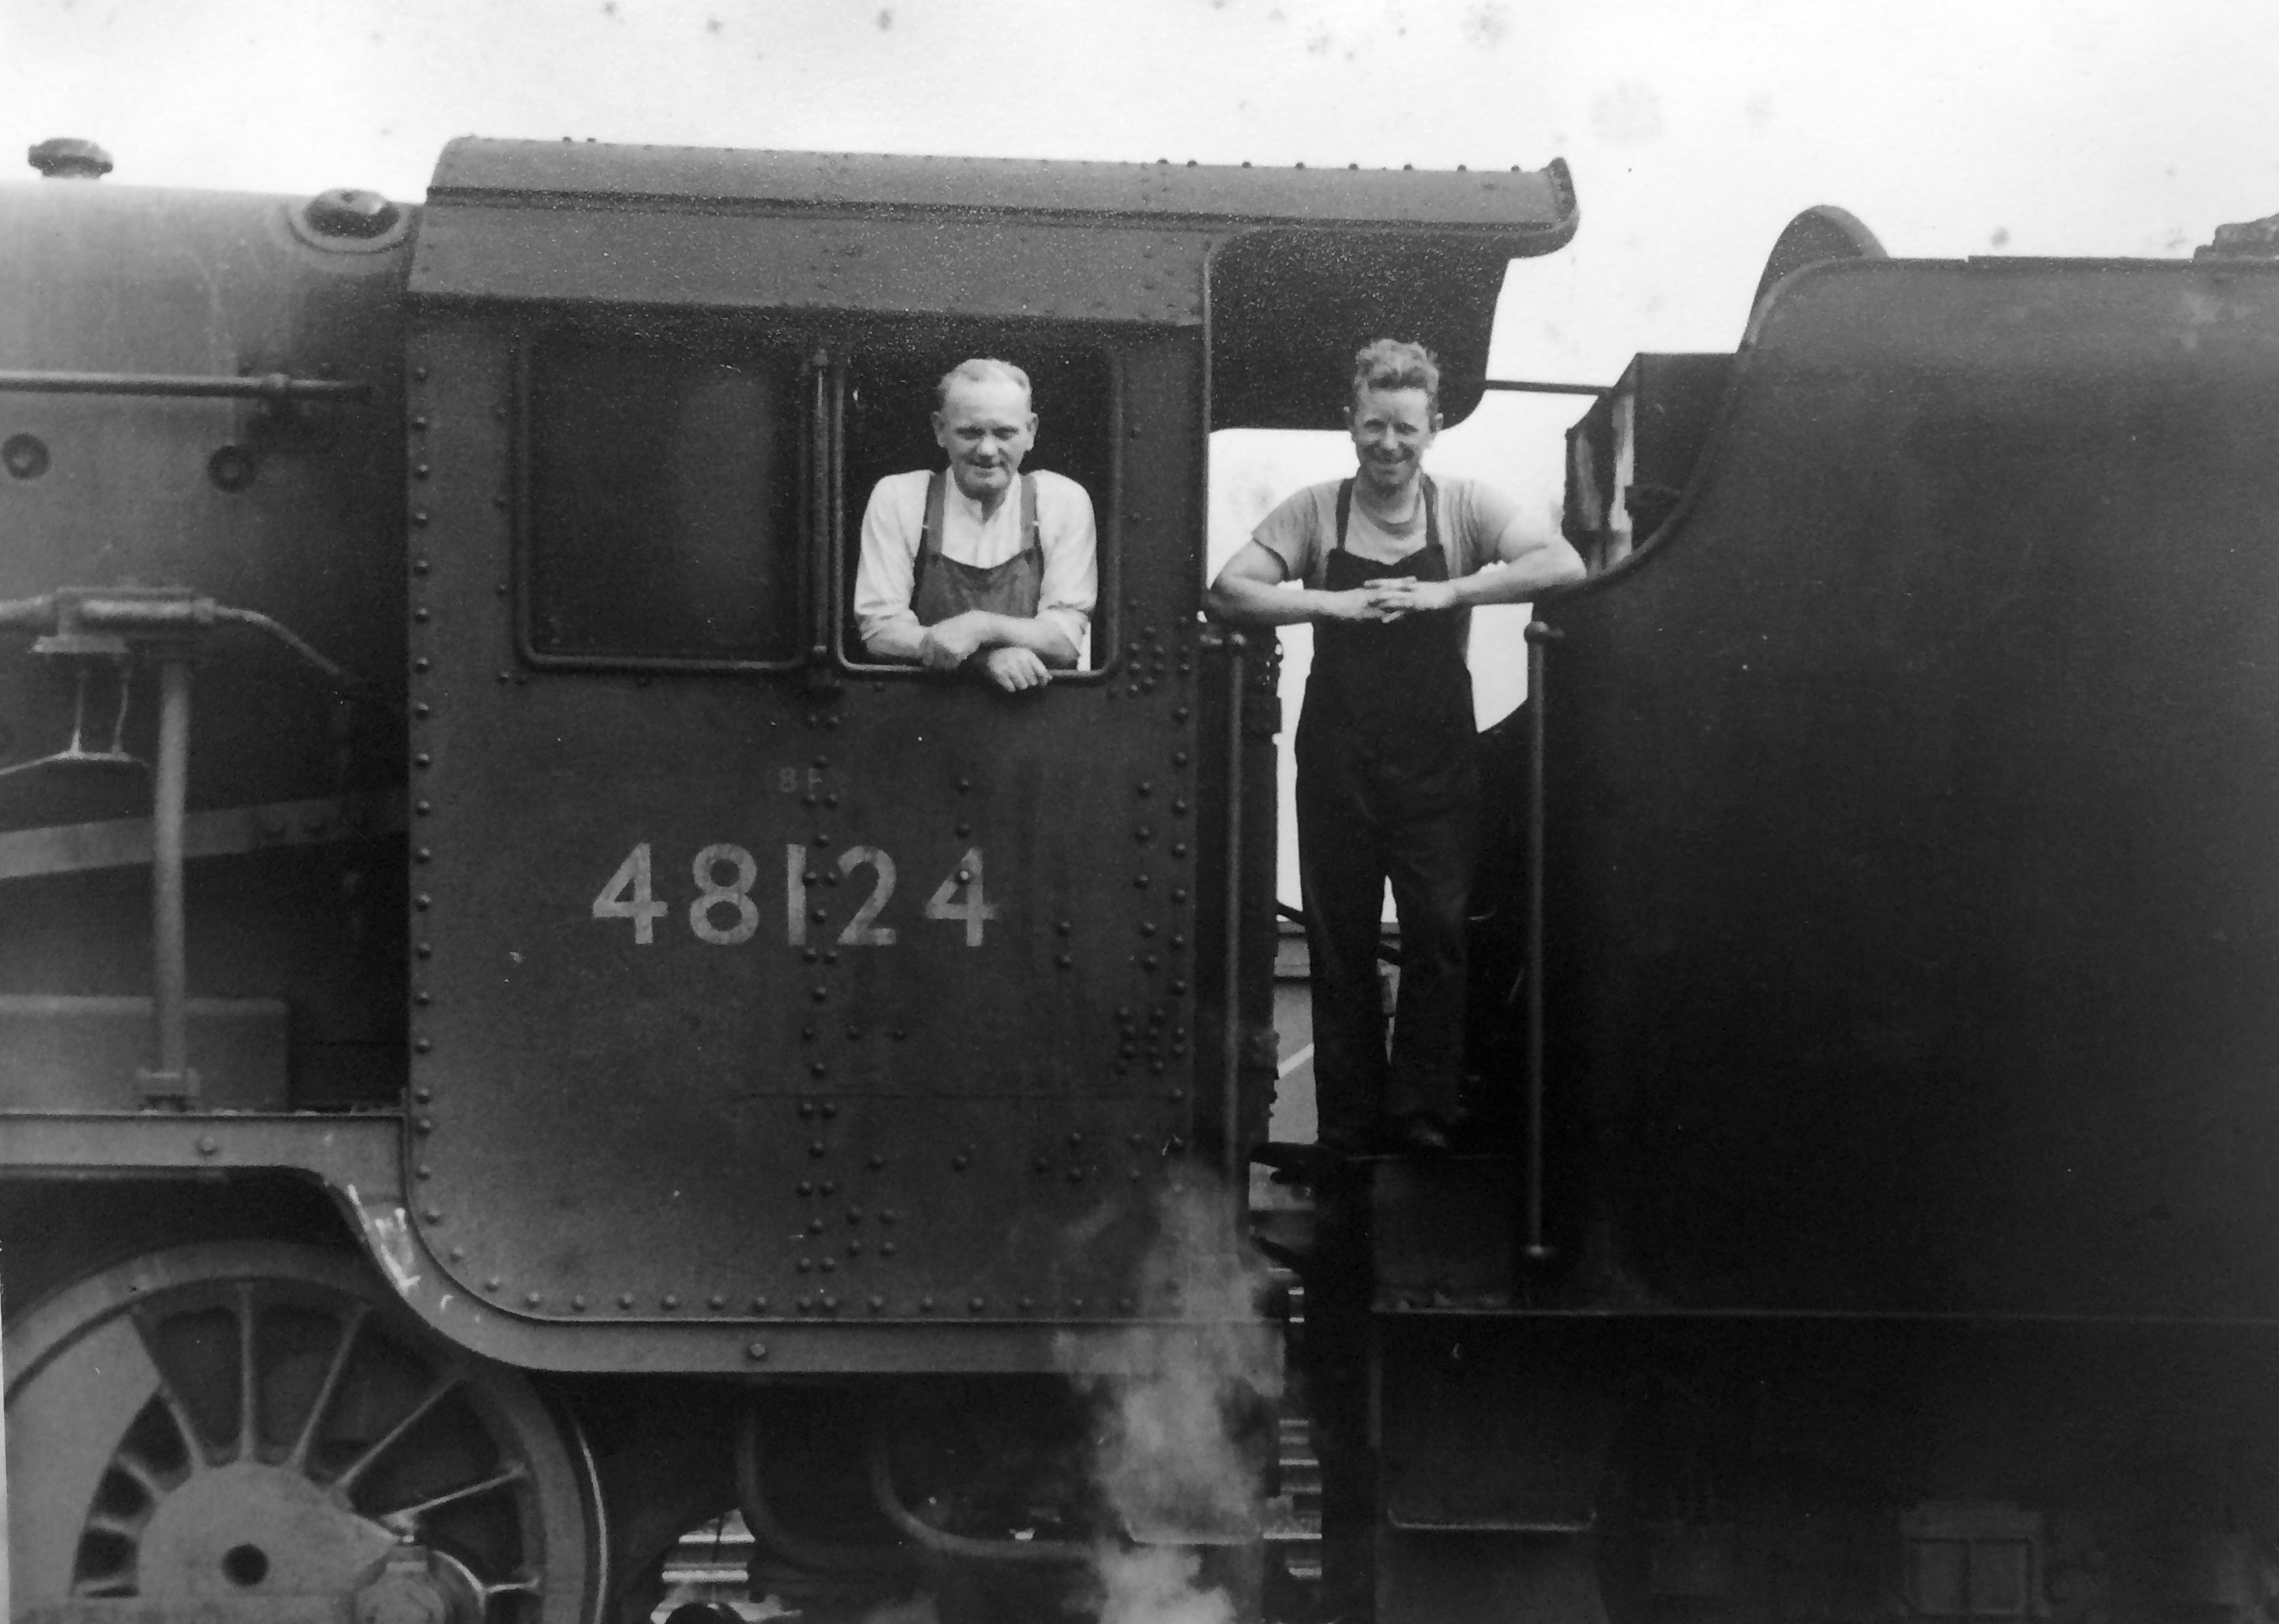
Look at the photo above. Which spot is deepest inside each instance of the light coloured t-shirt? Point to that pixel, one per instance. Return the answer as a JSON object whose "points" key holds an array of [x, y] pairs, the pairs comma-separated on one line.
{"points": [[1302, 531], [895, 517]]}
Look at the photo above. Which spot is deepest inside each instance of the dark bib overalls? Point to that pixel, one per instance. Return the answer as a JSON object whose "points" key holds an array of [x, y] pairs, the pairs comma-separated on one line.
{"points": [[942, 587], [1388, 790]]}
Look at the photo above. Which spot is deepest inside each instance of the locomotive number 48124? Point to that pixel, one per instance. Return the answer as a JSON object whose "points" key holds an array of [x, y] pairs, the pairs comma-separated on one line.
{"points": [[724, 914]]}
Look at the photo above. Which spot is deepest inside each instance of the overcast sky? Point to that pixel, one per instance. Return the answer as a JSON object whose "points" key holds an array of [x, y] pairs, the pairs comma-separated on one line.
{"points": [[1695, 129]]}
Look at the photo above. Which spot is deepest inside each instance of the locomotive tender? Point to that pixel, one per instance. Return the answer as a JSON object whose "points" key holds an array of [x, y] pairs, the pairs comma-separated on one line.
{"points": [[518, 1038]]}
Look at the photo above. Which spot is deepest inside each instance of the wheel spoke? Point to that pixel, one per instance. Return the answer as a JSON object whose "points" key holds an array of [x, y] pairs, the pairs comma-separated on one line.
{"points": [[197, 1450], [351, 1327], [247, 1385], [436, 1395], [146, 1478], [405, 1519]]}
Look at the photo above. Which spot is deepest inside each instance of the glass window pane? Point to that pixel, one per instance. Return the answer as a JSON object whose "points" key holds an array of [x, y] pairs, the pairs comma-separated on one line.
{"points": [[664, 501]]}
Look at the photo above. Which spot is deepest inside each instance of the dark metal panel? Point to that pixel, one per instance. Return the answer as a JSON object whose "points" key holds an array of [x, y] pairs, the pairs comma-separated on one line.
{"points": [[1290, 307], [723, 1120], [1480, 1432], [967, 266], [1915, 924], [567, 173]]}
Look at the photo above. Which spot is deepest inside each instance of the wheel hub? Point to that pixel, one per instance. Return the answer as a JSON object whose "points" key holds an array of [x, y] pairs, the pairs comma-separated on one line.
{"points": [[252, 1530]]}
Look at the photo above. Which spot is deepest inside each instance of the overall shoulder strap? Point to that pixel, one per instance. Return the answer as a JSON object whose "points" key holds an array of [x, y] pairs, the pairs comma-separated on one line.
{"points": [[1031, 534], [1345, 513], [936, 493], [1432, 511]]}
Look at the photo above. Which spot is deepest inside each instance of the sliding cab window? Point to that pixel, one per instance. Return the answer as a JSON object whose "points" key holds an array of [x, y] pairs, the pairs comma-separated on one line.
{"points": [[885, 426], [663, 504]]}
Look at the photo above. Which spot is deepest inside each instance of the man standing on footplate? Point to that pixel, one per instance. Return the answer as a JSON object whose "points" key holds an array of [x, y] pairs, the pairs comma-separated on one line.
{"points": [[1389, 564]]}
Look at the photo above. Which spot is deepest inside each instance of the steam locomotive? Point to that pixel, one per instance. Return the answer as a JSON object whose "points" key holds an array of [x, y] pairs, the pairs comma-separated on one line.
{"points": [[519, 1034], [519, 1037]]}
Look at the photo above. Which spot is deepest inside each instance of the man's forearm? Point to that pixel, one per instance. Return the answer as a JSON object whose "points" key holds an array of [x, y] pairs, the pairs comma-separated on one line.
{"points": [[900, 640], [1256, 603], [1518, 580], [1045, 639]]}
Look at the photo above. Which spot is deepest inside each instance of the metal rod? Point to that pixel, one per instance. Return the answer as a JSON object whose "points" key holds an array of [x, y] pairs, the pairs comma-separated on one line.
{"points": [[170, 972], [1535, 1248], [819, 1556], [1231, 1158], [1526, 386], [908, 1522], [270, 386]]}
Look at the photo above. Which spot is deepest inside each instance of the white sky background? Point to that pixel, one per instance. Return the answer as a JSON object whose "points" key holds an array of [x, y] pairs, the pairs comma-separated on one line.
{"points": [[1695, 130]]}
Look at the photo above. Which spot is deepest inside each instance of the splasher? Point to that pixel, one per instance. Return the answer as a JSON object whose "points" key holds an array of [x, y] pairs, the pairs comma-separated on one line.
{"points": [[1183, 1398]]}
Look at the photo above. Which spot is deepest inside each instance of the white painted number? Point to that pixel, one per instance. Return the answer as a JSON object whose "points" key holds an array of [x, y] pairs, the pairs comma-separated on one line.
{"points": [[973, 910], [795, 893], [860, 933], [710, 895], [628, 896]]}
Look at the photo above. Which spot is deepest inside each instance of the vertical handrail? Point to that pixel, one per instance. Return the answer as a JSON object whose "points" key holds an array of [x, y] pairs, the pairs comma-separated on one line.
{"points": [[1533, 1245], [820, 560], [171, 1082], [1230, 1155]]}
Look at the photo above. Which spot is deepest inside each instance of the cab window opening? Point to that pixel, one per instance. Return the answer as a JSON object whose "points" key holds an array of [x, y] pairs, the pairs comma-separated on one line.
{"points": [[887, 404]]}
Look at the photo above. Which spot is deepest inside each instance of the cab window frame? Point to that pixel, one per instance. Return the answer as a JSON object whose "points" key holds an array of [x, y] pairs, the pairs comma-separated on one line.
{"points": [[771, 341], [845, 519]]}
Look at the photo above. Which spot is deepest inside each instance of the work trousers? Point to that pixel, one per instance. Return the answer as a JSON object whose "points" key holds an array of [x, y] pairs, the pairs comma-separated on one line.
{"points": [[1367, 817]]}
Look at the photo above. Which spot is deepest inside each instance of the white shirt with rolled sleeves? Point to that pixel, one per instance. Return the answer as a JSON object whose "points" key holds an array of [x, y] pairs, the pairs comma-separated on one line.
{"points": [[896, 515]]}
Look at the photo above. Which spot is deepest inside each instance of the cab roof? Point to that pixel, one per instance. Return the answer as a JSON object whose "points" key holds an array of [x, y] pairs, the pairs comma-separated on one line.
{"points": [[1289, 270]]}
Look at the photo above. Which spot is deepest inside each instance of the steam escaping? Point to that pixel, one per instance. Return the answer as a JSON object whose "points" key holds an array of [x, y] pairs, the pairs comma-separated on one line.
{"points": [[1156, 1586], [1185, 1410]]}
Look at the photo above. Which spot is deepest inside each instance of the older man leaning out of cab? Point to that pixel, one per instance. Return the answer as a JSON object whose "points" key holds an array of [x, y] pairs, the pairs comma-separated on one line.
{"points": [[977, 565]]}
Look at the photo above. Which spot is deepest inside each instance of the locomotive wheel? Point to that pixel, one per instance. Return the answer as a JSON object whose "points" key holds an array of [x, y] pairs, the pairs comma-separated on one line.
{"points": [[259, 1423]]}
